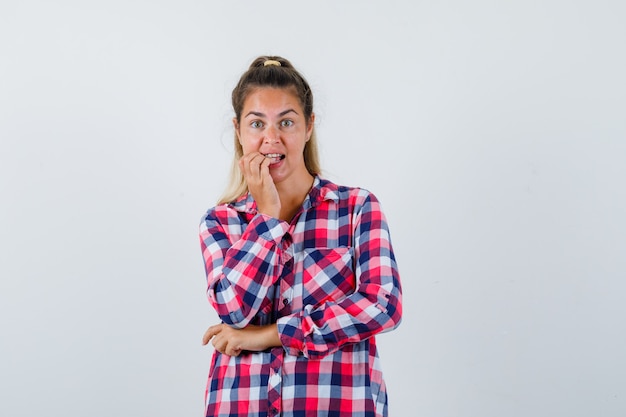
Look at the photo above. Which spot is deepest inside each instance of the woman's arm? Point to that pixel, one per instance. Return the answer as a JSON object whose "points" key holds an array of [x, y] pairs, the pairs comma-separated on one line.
{"points": [[233, 341], [374, 307], [240, 268]]}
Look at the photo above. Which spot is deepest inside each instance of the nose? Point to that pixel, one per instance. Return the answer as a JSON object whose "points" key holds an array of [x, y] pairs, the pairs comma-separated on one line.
{"points": [[271, 135]]}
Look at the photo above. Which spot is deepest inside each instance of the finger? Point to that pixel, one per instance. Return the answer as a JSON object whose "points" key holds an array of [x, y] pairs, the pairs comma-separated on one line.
{"points": [[219, 344], [264, 167], [230, 351], [245, 167], [256, 165], [211, 331], [254, 162], [226, 342], [249, 158], [231, 346]]}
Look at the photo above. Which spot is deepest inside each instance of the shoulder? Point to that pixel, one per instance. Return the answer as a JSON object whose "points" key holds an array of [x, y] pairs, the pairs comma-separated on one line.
{"points": [[218, 215], [329, 189], [221, 210], [229, 213], [354, 196]]}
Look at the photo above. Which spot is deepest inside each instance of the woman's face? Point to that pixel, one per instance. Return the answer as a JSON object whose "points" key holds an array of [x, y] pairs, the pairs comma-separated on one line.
{"points": [[273, 124]]}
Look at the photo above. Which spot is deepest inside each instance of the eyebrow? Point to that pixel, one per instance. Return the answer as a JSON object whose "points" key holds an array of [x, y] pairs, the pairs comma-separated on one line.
{"points": [[281, 114]]}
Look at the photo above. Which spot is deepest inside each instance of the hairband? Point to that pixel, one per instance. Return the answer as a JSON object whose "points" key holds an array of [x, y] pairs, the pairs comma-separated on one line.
{"points": [[271, 62]]}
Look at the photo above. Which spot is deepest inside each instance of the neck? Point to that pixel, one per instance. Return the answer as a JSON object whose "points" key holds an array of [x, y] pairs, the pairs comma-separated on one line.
{"points": [[292, 195]]}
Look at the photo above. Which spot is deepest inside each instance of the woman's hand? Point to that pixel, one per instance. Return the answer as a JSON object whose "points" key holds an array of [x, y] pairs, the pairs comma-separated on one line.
{"points": [[232, 342], [255, 168]]}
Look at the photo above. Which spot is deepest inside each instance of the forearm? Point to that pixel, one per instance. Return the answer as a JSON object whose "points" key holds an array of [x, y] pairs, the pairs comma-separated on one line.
{"points": [[232, 342], [318, 332], [374, 306], [240, 274], [264, 337]]}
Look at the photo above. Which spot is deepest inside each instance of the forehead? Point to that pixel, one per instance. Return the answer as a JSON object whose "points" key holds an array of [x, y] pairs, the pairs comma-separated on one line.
{"points": [[272, 98]]}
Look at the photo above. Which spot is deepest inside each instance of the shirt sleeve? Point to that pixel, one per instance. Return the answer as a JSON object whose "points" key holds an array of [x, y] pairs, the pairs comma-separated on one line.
{"points": [[240, 267], [375, 306]]}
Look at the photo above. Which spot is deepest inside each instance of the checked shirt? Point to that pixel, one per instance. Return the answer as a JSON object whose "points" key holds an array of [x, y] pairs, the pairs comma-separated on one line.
{"points": [[328, 279]]}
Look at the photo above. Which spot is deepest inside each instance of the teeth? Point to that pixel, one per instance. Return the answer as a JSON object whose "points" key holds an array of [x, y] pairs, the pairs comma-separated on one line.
{"points": [[275, 157]]}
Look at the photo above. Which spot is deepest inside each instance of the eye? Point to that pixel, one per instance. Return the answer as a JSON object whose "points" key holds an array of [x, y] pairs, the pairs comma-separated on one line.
{"points": [[256, 124], [286, 123]]}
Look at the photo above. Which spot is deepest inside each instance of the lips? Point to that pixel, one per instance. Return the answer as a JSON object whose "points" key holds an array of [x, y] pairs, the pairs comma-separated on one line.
{"points": [[275, 157]]}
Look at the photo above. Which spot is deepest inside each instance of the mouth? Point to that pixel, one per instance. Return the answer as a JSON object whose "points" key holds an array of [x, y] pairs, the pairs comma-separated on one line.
{"points": [[275, 157]]}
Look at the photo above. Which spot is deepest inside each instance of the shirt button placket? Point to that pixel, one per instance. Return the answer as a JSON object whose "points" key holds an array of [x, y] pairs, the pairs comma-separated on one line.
{"points": [[274, 385]]}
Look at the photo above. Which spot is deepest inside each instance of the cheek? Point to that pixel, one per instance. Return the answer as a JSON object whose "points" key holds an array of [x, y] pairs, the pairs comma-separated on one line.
{"points": [[249, 143]]}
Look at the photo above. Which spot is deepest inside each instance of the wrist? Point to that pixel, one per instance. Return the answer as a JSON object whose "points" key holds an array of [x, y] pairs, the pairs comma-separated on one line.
{"points": [[271, 336], [269, 211]]}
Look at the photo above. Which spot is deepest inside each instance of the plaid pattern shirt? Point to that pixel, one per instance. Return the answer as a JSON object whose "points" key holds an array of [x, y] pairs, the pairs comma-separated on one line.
{"points": [[330, 282]]}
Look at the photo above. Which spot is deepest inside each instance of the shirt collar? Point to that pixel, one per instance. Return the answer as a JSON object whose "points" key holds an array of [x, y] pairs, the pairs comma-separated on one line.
{"points": [[321, 190]]}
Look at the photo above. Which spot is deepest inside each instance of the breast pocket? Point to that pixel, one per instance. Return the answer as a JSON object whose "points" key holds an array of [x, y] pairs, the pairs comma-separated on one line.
{"points": [[328, 275]]}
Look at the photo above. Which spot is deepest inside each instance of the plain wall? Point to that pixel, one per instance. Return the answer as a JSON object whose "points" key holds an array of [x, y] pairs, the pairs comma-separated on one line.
{"points": [[494, 134]]}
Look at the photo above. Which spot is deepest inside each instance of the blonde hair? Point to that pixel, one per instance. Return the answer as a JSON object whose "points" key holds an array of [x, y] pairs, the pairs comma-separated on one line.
{"points": [[262, 74]]}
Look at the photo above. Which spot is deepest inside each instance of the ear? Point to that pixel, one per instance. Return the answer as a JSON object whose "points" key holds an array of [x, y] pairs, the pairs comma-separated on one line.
{"points": [[309, 128], [236, 126]]}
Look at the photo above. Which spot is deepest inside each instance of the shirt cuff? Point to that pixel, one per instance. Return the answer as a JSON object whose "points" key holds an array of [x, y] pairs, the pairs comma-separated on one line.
{"points": [[268, 227], [291, 335]]}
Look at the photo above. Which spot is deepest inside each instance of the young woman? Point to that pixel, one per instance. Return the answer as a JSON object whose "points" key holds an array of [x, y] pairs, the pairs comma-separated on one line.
{"points": [[300, 270]]}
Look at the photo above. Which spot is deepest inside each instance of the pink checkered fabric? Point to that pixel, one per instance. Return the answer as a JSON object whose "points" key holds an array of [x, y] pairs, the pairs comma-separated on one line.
{"points": [[328, 279]]}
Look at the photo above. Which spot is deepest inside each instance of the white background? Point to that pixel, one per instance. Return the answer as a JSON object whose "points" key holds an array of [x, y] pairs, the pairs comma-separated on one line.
{"points": [[493, 132]]}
